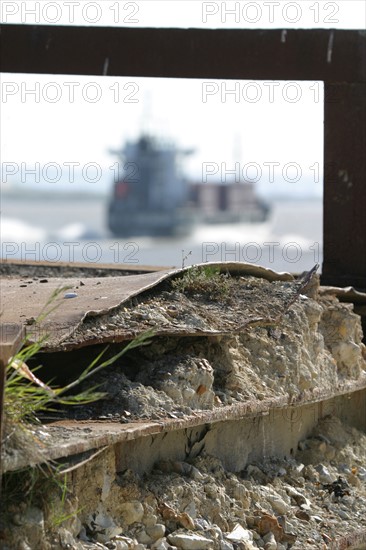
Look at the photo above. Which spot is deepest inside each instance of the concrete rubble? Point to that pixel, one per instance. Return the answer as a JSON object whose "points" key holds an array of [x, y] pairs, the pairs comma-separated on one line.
{"points": [[301, 502]]}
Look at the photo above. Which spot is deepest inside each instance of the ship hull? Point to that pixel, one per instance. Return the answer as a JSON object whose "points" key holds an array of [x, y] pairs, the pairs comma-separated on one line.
{"points": [[127, 223]]}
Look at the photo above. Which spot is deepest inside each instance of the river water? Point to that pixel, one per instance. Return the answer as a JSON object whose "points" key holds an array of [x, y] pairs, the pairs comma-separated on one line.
{"points": [[68, 228]]}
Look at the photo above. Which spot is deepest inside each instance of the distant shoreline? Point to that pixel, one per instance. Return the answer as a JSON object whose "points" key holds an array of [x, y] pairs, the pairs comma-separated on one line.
{"points": [[36, 194], [57, 194]]}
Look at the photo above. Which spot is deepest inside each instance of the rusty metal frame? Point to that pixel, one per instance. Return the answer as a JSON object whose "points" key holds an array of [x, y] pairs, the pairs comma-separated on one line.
{"points": [[337, 57]]}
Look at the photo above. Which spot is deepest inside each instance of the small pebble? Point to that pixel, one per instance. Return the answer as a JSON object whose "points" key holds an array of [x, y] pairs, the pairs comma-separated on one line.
{"points": [[342, 514], [70, 295]]}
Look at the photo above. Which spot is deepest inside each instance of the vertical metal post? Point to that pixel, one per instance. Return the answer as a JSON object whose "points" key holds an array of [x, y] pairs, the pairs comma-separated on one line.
{"points": [[345, 185]]}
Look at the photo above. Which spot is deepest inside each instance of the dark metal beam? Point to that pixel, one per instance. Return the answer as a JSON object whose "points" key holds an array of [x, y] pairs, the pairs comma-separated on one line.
{"points": [[292, 54], [345, 185]]}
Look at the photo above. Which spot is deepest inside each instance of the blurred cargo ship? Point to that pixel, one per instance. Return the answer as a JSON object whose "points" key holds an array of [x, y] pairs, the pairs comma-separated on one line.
{"points": [[152, 197]]}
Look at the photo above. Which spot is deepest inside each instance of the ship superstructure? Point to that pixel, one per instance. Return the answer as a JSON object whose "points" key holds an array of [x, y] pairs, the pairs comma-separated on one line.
{"points": [[151, 195]]}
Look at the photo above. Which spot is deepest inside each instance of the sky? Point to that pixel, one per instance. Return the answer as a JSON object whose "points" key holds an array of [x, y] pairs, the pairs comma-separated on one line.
{"points": [[188, 13], [63, 127]]}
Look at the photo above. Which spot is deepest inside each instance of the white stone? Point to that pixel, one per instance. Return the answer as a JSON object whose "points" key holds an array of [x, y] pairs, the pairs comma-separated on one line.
{"points": [[150, 520], [190, 541], [324, 474], [278, 504], [241, 493], [298, 497], [144, 538], [67, 540], [270, 541], [246, 546], [239, 534], [190, 509], [195, 474], [109, 533], [342, 514], [306, 505], [129, 543], [160, 544], [132, 511], [100, 521], [156, 532], [113, 531], [188, 394]]}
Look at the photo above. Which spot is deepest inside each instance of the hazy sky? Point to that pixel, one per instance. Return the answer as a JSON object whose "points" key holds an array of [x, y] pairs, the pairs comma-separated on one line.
{"points": [[73, 121], [189, 13]]}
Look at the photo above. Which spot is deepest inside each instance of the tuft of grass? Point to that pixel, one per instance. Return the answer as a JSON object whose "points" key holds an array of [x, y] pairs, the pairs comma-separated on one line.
{"points": [[185, 257], [26, 395], [60, 511], [207, 280]]}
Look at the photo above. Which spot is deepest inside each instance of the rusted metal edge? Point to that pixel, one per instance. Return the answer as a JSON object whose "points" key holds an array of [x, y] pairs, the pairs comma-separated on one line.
{"points": [[95, 434], [120, 337], [344, 294], [96, 296], [90, 266], [11, 338]]}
